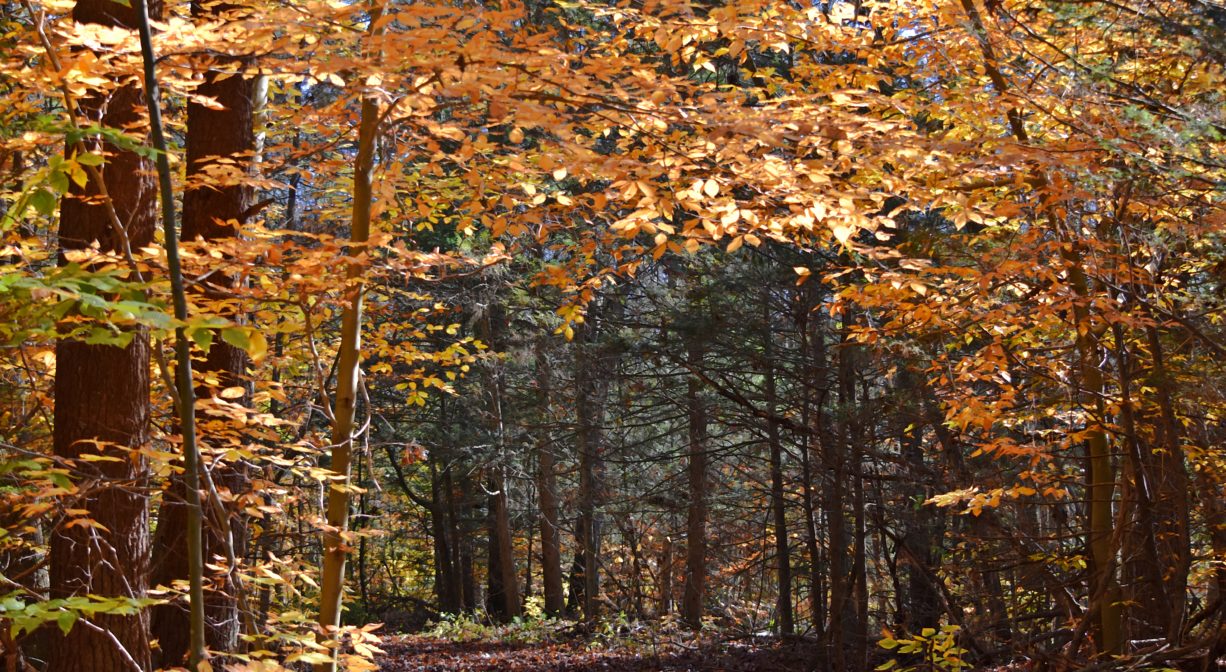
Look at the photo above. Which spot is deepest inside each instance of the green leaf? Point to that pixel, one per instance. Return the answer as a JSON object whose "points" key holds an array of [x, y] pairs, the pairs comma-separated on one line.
{"points": [[248, 340], [104, 336], [66, 620], [43, 201], [203, 338], [236, 336], [58, 181]]}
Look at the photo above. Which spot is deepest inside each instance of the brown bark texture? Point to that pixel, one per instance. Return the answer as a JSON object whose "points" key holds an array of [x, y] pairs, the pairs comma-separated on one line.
{"points": [[217, 140], [102, 403]]}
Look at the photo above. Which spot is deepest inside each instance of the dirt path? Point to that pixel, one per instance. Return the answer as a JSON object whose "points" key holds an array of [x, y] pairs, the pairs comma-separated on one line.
{"points": [[418, 654]]}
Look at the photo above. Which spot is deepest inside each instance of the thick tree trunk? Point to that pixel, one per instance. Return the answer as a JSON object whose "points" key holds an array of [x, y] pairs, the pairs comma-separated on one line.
{"points": [[844, 617], [458, 513], [1149, 608], [503, 601], [102, 405], [210, 212]]}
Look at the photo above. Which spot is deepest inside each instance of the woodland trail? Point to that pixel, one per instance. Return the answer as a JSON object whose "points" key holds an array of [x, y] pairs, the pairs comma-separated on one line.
{"points": [[423, 654]]}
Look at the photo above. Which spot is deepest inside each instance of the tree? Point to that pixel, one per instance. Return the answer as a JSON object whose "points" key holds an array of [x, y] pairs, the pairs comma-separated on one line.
{"points": [[220, 146], [102, 393], [900, 318]]}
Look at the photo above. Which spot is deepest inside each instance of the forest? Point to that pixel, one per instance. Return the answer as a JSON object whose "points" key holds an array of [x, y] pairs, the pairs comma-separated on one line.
{"points": [[624, 335]]}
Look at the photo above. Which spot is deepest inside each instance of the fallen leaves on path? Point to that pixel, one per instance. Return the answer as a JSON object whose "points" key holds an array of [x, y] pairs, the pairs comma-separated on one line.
{"points": [[423, 654]]}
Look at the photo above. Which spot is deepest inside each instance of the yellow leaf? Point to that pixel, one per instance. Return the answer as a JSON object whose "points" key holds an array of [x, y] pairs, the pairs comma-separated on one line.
{"points": [[232, 392], [710, 188]]}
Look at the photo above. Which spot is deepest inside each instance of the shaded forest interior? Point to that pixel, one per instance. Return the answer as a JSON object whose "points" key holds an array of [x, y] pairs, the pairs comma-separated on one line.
{"points": [[577, 335]]}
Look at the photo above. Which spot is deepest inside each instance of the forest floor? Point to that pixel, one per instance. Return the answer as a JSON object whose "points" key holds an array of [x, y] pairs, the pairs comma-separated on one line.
{"points": [[418, 653]]}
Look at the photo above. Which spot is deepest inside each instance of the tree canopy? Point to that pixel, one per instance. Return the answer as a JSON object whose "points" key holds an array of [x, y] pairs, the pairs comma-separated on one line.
{"points": [[890, 329]]}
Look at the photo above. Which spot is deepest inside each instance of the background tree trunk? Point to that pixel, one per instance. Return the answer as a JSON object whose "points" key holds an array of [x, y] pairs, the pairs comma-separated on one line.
{"points": [[696, 470], [547, 488], [783, 563], [210, 213]]}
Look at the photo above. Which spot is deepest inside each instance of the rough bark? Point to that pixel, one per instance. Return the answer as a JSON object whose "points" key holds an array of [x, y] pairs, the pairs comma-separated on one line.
{"points": [[813, 409], [844, 619], [210, 212], [1170, 499], [102, 403]]}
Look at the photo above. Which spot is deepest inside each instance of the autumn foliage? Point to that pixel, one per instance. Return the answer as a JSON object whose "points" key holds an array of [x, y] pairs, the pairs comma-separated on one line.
{"points": [[890, 328]]}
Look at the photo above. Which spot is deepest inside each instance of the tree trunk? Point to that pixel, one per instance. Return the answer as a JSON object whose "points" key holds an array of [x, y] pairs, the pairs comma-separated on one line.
{"points": [[210, 212], [458, 512], [336, 550], [1170, 482], [813, 410], [102, 395], [696, 471], [503, 583], [783, 564], [1099, 474], [595, 364], [919, 548], [843, 611], [547, 489], [589, 404], [503, 601], [1149, 609], [446, 580]]}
